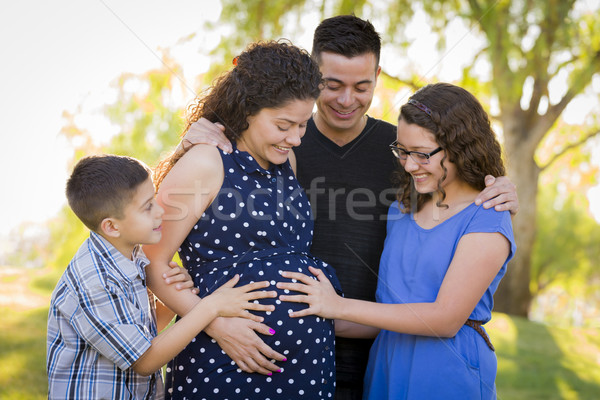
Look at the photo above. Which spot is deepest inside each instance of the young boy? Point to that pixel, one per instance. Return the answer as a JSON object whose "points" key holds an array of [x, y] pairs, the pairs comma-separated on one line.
{"points": [[102, 338]]}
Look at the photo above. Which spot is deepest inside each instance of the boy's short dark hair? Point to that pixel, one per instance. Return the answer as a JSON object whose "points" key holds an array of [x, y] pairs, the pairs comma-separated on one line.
{"points": [[101, 187], [346, 35]]}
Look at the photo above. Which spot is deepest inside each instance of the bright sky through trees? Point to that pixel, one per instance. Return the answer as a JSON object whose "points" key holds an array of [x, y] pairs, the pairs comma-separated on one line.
{"points": [[61, 54]]}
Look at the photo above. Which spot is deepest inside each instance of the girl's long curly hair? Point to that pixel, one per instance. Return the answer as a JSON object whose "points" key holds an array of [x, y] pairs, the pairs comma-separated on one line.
{"points": [[268, 74], [462, 128]]}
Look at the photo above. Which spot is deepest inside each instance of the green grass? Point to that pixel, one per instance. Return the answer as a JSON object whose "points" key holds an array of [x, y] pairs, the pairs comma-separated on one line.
{"points": [[535, 361], [44, 283], [23, 354]]}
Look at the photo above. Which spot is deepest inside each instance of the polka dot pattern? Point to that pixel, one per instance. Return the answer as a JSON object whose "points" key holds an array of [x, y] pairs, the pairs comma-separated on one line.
{"points": [[259, 225]]}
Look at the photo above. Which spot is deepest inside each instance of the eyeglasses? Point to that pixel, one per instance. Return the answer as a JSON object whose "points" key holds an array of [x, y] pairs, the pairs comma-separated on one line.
{"points": [[417, 156]]}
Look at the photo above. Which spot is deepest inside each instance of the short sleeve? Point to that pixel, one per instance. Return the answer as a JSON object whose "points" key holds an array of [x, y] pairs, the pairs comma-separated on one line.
{"points": [[491, 221], [110, 322]]}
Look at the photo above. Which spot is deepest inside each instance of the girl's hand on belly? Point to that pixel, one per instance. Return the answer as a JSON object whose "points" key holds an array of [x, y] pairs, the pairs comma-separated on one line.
{"points": [[320, 295]]}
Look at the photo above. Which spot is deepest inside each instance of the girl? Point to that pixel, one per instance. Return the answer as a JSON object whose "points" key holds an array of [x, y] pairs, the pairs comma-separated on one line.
{"points": [[442, 260]]}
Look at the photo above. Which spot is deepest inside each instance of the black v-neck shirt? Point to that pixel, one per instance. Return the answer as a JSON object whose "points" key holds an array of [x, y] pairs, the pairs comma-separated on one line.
{"points": [[350, 191]]}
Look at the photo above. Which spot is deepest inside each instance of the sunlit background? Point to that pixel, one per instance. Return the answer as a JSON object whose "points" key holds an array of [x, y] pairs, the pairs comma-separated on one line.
{"points": [[63, 59], [65, 56]]}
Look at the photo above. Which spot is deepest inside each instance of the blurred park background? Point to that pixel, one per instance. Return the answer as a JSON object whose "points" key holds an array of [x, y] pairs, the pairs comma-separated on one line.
{"points": [[81, 78]]}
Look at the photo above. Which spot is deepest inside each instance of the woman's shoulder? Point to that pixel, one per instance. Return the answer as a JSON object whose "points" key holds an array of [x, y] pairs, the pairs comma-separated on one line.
{"points": [[202, 155], [489, 220], [202, 163], [201, 158], [490, 214]]}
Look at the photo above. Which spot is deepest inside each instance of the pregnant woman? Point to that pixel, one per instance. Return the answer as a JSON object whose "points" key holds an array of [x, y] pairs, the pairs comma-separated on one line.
{"points": [[245, 213]]}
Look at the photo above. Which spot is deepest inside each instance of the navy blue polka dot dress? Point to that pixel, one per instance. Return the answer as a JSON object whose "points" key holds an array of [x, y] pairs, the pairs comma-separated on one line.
{"points": [[259, 225]]}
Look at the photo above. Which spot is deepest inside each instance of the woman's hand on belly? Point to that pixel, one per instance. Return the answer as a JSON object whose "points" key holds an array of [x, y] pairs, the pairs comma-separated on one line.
{"points": [[239, 340]]}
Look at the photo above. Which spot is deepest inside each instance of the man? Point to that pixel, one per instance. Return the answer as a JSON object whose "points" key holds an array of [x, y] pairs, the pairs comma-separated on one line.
{"points": [[345, 165]]}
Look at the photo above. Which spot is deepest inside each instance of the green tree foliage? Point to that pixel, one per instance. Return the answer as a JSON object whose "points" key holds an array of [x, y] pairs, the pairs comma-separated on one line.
{"points": [[529, 44], [565, 278], [536, 42], [149, 125], [566, 248]]}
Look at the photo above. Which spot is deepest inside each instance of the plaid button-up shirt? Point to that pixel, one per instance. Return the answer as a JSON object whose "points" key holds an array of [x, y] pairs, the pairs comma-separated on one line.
{"points": [[100, 322]]}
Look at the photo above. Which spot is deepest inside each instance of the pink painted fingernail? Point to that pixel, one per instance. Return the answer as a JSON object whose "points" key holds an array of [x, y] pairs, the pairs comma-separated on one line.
{"points": [[285, 359], [270, 373], [272, 331]]}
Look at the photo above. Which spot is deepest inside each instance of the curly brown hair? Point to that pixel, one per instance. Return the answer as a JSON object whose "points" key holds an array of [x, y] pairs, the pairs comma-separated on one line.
{"points": [[267, 74], [462, 128]]}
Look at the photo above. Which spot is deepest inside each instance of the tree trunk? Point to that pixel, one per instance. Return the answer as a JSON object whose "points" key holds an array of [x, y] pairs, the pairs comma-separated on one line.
{"points": [[513, 295]]}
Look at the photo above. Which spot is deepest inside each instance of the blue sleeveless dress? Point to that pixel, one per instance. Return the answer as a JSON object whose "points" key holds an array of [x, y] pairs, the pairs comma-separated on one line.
{"points": [[413, 265], [259, 224]]}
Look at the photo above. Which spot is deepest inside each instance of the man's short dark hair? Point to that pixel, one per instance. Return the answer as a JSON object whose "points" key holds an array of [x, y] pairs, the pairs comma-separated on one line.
{"points": [[346, 35], [101, 187]]}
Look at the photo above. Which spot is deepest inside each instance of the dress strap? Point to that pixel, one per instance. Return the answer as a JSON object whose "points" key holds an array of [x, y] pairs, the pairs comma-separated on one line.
{"points": [[477, 326]]}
